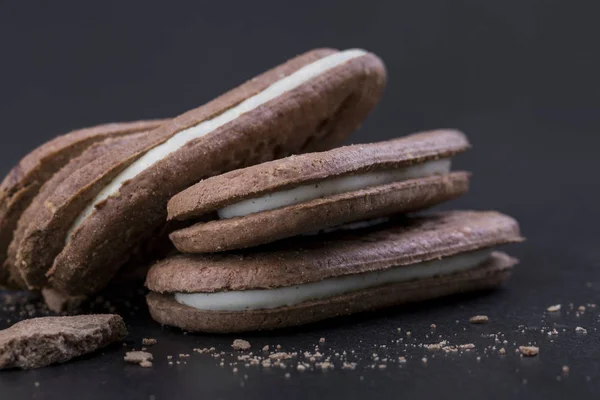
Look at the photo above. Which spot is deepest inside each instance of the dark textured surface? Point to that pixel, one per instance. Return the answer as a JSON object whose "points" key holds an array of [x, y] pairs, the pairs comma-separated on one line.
{"points": [[519, 77]]}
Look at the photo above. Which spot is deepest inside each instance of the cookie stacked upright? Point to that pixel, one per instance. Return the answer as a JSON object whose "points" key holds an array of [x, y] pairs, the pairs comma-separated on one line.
{"points": [[318, 235], [72, 215]]}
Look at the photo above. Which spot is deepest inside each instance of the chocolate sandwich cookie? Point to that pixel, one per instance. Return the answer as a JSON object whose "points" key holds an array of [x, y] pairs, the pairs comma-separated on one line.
{"points": [[311, 278], [102, 211], [310, 192], [23, 182]]}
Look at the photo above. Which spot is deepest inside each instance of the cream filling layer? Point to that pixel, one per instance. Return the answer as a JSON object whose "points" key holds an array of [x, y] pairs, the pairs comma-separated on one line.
{"points": [[180, 139], [292, 295], [333, 186]]}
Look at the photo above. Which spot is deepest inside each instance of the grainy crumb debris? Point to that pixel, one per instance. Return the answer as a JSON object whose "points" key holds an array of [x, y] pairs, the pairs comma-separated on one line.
{"points": [[266, 348], [146, 364], [280, 356], [241, 345], [138, 357], [149, 341], [479, 319], [529, 351], [565, 369], [502, 351], [554, 308], [579, 329], [322, 340]]}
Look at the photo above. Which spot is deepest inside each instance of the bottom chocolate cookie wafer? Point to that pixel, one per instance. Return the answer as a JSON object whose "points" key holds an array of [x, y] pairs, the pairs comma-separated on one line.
{"points": [[308, 279]]}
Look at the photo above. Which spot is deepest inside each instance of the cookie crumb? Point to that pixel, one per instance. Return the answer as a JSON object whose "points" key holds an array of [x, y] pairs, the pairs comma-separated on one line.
{"points": [[301, 368], [529, 351], [402, 360], [554, 308], [266, 348], [424, 360], [502, 351], [280, 356], [288, 375], [322, 340], [433, 326], [146, 364], [149, 341], [138, 357], [241, 345], [479, 319], [579, 329], [565, 369]]}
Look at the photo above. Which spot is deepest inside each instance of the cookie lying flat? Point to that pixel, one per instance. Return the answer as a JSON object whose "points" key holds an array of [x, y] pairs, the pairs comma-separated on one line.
{"points": [[102, 211], [310, 192], [38, 342], [22, 183], [307, 279]]}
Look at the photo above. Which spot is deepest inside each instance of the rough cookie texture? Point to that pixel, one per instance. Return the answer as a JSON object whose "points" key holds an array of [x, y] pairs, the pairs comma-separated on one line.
{"points": [[22, 183], [39, 342], [315, 116], [416, 239], [165, 310], [232, 187], [314, 215]]}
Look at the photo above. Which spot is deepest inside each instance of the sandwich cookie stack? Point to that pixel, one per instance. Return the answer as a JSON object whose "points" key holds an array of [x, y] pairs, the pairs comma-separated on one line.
{"points": [[314, 236], [74, 211]]}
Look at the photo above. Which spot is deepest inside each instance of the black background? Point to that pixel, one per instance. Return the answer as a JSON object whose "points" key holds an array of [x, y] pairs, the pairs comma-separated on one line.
{"points": [[519, 77]]}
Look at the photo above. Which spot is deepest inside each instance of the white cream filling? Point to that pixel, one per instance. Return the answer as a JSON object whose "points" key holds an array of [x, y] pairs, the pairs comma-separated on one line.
{"points": [[333, 186], [176, 142], [292, 295]]}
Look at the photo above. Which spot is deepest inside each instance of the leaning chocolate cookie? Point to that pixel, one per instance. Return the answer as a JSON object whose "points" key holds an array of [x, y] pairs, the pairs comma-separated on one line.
{"points": [[23, 182], [101, 212], [310, 192], [308, 279]]}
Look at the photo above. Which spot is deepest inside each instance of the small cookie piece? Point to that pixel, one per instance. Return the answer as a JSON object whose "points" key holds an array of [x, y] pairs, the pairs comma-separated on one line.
{"points": [[479, 319], [308, 279], [315, 191], [138, 357], [529, 351], [241, 345], [39, 342]]}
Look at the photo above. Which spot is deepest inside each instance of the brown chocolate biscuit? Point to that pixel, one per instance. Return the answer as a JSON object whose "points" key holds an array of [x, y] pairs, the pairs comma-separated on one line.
{"points": [[38, 205], [314, 215], [309, 103], [165, 310], [454, 245], [39, 342], [22, 183], [317, 199]]}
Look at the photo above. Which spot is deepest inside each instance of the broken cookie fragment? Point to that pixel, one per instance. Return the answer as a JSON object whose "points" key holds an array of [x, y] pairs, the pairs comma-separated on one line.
{"points": [[142, 358], [39, 342]]}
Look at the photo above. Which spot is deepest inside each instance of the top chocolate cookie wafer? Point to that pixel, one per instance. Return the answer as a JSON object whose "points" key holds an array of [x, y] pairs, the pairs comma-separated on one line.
{"points": [[310, 192], [23, 182], [104, 210]]}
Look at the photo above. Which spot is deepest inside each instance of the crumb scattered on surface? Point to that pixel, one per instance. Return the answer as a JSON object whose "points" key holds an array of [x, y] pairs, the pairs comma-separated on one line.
{"points": [[565, 369], [580, 329], [554, 308], [322, 340], [241, 345], [502, 351], [479, 319], [149, 341], [529, 351], [138, 357], [146, 364]]}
